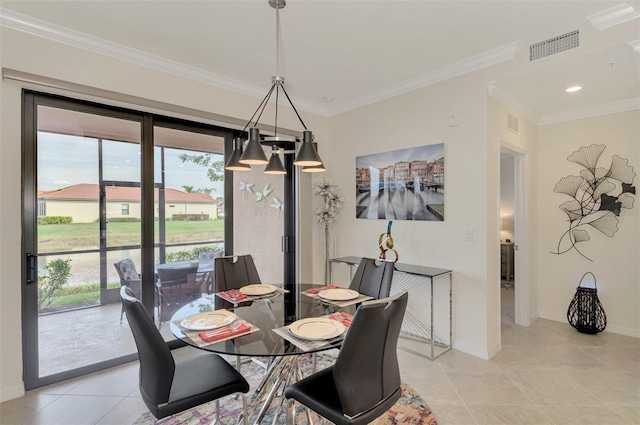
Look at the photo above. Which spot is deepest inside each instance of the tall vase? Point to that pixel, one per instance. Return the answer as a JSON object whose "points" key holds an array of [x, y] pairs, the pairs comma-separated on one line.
{"points": [[326, 254]]}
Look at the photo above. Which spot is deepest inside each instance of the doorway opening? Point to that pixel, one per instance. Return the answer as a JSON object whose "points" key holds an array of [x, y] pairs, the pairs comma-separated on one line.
{"points": [[514, 236], [507, 238]]}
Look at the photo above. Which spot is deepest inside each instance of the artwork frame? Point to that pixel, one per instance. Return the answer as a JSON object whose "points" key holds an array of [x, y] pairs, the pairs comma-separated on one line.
{"points": [[403, 184]]}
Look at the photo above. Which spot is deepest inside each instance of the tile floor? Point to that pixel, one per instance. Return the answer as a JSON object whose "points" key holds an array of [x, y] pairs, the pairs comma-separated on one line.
{"points": [[545, 374]]}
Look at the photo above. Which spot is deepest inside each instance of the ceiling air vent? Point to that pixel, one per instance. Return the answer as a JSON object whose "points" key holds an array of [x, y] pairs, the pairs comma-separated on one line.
{"points": [[512, 123], [554, 45]]}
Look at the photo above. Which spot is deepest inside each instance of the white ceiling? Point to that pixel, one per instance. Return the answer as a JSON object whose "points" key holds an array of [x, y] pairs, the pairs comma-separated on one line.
{"points": [[356, 52]]}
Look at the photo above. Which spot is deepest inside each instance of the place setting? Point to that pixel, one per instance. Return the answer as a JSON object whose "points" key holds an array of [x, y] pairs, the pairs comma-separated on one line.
{"points": [[315, 332], [250, 292], [334, 295], [214, 326]]}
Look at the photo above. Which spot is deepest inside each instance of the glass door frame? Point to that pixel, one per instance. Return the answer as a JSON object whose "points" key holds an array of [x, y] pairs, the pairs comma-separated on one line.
{"points": [[30, 341], [31, 100]]}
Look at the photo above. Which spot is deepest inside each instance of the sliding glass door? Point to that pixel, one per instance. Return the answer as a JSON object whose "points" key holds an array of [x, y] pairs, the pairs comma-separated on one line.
{"points": [[104, 185], [75, 155]]}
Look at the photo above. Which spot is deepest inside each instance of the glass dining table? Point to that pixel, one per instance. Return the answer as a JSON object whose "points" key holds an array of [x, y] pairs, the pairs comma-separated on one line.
{"points": [[271, 315]]}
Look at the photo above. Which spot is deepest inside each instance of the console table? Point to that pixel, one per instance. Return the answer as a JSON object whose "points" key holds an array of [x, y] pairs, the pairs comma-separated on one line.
{"points": [[427, 321]]}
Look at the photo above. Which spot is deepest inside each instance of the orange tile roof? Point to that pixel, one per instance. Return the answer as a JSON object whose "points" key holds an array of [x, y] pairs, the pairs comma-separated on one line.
{"points": [[86, 191]]}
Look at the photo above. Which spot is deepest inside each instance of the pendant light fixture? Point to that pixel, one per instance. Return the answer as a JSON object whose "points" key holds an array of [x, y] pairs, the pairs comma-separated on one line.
{"points": [[253, 153], [234, 161], [314, 168]]}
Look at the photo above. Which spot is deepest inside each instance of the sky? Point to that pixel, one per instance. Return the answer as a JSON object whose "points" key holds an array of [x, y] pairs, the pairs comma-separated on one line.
{"points": [[67, 160], [384, 159]]}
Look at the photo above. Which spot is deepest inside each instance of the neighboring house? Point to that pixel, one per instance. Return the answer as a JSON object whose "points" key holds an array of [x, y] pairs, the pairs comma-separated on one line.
{"points": [[80, 202]]}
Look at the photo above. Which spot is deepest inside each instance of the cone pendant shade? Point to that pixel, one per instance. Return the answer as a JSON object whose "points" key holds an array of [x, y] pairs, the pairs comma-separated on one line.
{"points": [[314, 168], [234, 160], [253, 153], [307, 155], [275, 165]]}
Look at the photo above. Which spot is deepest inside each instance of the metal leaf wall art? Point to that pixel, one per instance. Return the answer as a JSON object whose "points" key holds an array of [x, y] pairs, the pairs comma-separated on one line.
{"points": [[598, 196]]}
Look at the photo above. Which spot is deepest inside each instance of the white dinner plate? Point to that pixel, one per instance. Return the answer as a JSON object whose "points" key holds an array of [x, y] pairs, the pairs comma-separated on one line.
{"points": [[316, 328], [208, 320], [339, 294], [258, 289]]}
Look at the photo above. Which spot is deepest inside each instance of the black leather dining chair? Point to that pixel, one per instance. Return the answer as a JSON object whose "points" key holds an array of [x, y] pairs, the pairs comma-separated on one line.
{"points": [[364, 382], [373, 278], [168, 387], [234, 272]]}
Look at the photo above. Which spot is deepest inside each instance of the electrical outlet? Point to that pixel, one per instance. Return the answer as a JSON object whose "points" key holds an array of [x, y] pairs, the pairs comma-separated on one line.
{"points": [[468, 235]]}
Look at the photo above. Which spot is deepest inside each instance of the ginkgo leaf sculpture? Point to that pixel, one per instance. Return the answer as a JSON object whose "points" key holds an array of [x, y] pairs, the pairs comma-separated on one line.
{"points": [[598, 196]]}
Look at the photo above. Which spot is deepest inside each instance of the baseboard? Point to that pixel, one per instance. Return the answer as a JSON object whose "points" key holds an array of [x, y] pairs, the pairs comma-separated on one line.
{"points": [[495, 350], [623, 330], [12, 392], [620, 330], [552, 316], [485, 355], [533, 317]]}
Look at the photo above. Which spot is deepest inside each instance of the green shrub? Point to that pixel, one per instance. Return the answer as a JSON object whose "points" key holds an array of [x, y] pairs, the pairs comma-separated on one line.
{"points": [[54, 219], [190, 217], [190, 254], [58, 272], [123, 220]]}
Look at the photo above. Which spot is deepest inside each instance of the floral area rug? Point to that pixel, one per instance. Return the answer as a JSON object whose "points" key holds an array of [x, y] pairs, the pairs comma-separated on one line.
{"points": [[410, 409]]}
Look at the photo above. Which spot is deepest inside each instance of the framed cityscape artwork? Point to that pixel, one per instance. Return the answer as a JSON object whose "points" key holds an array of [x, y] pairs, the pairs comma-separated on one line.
{"points": [[406, 184]]}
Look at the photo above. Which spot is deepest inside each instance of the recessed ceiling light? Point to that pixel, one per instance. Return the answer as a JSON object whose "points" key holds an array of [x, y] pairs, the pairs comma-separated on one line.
{"points": [[573, 89]]}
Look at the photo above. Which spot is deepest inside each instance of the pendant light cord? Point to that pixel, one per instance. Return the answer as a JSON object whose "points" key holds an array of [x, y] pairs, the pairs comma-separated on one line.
{"points": [[265, 100]]}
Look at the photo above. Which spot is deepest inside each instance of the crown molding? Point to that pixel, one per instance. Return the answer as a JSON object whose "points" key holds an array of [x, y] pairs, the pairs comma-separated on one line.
{"points": [[512, 103], [613, 16], [471, 64], [591, 111], [37, 27], [635, 45], [33, 26]]}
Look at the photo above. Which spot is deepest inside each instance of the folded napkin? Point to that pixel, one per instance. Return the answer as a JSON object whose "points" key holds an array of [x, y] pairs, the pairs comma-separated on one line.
{"points": [[317, 290], [342, 317], [232, 295], [222, 333]]}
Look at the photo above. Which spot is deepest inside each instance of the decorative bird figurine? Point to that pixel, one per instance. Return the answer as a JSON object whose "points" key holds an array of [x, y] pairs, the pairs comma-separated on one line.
{"points": [[246, 187], [261, 196], [278, 205]]}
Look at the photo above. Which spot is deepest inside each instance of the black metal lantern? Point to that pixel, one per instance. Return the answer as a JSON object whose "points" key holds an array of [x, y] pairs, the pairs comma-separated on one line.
{"points": [[586, 313]]}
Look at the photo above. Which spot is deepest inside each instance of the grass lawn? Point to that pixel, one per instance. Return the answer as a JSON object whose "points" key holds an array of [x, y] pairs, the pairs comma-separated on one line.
{"points": [[78, 236]]}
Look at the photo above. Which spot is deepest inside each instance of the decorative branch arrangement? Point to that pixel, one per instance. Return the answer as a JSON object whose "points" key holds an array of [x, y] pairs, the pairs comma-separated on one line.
{"points": [[598, 195], [326, 214]]}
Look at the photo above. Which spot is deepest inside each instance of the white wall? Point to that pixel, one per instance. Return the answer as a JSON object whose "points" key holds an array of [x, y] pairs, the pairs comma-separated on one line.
{"points": [[416, 119], [615, 260], [35, 55]]}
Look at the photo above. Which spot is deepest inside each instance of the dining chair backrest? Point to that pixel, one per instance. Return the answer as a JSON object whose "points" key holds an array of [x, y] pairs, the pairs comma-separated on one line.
{"points": [[234, 272], [209, 256], [373, 278], [156, 362], [366, 371], [126, 270], [177, 276]]}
